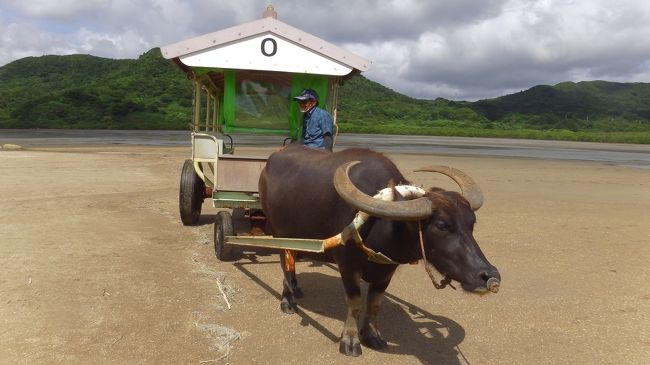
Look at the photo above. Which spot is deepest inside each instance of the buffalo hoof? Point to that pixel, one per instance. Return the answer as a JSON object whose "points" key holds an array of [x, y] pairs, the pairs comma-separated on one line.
{"points": [[350, 346], [373, 340], [287, 307]]}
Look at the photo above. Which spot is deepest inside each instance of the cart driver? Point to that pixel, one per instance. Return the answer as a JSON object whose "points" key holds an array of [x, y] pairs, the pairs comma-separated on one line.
{"points": [[316, 122]]}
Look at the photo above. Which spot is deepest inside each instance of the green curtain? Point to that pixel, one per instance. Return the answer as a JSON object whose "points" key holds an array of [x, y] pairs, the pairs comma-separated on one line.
{"points": [[229, 101], [320, 83]]}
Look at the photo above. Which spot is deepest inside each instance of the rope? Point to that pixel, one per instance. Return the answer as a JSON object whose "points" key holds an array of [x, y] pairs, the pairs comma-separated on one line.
{"points": [[428, 267]]}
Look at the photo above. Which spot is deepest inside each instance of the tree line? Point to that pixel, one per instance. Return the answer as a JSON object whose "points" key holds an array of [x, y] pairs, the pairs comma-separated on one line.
{"points": [[87, 92]]}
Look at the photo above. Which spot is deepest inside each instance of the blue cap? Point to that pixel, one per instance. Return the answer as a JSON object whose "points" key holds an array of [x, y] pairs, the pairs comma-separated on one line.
{"points": [[307, 94]]}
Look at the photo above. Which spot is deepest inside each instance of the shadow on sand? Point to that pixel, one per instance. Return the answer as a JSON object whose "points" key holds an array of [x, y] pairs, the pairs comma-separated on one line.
{"points": [[409, 329]]}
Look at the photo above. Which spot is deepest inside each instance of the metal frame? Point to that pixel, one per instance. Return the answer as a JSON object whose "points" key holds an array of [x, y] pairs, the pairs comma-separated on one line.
{"points": [[295, 244]]}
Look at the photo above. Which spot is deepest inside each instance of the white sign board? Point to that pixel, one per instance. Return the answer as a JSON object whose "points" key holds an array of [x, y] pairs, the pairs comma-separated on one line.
{"points": [[266, 52]]}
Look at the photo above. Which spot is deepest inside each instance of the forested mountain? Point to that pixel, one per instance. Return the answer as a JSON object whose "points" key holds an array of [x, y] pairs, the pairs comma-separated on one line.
{"points": [[81, 91], [574, 106]]}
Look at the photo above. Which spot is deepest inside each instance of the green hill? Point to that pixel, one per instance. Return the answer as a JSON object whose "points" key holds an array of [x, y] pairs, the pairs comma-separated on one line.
{"points": [[81, 91], [584, 105], [367, 103]]}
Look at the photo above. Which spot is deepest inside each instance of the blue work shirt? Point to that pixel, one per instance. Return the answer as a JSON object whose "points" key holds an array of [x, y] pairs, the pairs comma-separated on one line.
{"points": [[316, 123]]}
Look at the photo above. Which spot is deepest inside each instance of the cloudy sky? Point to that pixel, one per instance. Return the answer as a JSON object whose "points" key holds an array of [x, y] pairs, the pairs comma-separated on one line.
{"points": [[456, 49]]}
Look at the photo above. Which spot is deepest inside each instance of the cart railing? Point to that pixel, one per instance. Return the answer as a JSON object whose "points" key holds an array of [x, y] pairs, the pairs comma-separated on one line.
{"points": [[205, 151]]}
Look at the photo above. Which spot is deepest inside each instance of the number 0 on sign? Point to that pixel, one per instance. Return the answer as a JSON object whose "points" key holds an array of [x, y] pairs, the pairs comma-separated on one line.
{"points": [[269, 43]]}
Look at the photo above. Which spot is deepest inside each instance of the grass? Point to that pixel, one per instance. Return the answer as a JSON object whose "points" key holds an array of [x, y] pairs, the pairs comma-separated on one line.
{"points": [[639, 137]]}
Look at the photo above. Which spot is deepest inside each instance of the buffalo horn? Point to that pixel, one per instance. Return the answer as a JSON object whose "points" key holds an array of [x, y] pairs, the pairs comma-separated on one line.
{"points": [[470, 190], [415, 209]]}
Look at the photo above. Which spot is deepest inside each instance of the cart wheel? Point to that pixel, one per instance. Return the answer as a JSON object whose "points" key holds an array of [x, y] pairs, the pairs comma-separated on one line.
{"points": [[190, 197], [222, 228]]}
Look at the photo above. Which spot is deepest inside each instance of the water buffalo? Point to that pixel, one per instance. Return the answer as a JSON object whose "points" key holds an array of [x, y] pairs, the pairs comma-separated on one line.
{"points": [[307, 193]]}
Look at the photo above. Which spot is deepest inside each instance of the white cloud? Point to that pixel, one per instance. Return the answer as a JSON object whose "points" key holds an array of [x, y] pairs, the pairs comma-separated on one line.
{"points": [[122, 45], [55, 9], [23, 40], [529, 43], [462, 49]]}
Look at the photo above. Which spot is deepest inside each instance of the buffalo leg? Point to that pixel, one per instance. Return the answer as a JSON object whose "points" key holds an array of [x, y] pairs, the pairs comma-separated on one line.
{"points": [[290, 289], [369, 333], [350, 344]]}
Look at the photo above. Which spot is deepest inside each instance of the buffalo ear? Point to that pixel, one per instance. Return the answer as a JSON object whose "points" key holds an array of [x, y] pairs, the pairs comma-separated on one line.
{"points": [[397, 197]]}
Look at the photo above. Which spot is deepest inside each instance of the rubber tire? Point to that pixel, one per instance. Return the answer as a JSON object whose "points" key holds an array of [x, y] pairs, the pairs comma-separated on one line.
{"points": [[190, 196], [223, 227]]}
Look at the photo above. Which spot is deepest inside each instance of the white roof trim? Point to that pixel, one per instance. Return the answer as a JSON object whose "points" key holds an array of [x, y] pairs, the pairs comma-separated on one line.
{"points": [[211, 48]]}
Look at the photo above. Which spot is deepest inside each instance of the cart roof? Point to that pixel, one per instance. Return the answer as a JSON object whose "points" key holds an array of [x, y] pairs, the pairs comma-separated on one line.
{"points": [[266, 44]]}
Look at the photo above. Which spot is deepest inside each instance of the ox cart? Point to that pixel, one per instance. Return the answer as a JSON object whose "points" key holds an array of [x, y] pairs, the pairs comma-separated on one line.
{"points": [[244, 78]]}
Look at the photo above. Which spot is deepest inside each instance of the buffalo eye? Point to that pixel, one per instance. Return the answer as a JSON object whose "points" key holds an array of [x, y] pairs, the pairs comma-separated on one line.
{"points": [[441, 225]]}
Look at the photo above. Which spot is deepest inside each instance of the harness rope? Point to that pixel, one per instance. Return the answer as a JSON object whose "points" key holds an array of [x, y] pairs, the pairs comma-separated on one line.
{"points": [[352, 232], [427, 266]]}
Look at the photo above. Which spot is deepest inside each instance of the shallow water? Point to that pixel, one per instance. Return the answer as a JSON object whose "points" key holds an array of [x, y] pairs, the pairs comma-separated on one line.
{"points": [[609, 153]]}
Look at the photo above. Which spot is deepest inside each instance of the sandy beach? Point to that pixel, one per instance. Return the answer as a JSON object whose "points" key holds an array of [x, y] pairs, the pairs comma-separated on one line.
{"points": [[97, 268]]}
